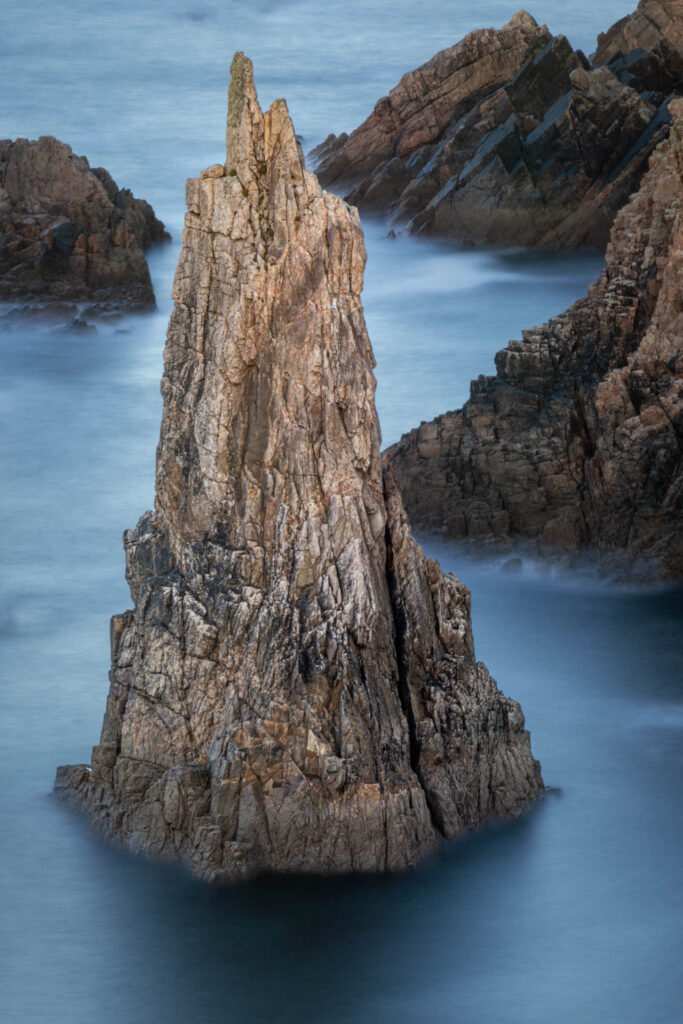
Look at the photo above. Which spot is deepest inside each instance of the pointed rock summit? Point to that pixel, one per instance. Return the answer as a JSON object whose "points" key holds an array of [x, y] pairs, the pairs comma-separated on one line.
{"points": [[295, 688]]}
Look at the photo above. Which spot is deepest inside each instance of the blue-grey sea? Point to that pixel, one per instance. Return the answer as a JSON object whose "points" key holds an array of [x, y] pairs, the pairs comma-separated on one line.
{"points": [[571, 915]]}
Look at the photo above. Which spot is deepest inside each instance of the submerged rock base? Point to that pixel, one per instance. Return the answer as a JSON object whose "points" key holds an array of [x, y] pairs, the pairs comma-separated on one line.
{"points": [[296, 687]]}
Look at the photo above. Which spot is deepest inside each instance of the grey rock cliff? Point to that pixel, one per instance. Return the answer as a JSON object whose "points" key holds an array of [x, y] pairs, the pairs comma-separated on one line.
{"points": [[510, 137], [295, 688], [578, 439]]}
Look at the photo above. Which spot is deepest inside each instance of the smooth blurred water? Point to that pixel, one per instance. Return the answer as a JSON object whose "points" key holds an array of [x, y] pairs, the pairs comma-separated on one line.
{"points": [[570, 916]]}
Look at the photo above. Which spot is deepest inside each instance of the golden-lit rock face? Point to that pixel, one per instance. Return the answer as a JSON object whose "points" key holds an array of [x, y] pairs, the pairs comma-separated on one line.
{"points": [[577, 439], [295, 689]]}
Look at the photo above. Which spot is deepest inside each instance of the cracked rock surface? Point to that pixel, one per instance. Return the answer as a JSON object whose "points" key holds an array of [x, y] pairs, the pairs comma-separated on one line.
{"points": [[295, 688], [653, 34], [511, 137], [578, 439], [68, 233]]}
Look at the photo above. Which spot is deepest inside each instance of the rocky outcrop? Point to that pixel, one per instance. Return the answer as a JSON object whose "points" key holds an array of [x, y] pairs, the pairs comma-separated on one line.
{"points": [[511, 138], [295, 688], [68, 234], [645, 49], [577, 441], [656, 29]]}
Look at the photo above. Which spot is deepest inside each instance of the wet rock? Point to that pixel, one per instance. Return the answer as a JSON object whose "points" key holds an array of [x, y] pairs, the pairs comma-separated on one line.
{"points": [[68, 233], [576, 442], [295, 688], [71, 784], [511, 138]]}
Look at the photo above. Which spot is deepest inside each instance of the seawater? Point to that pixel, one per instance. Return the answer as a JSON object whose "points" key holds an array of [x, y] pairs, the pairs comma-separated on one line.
{"points": [[570, 915]]}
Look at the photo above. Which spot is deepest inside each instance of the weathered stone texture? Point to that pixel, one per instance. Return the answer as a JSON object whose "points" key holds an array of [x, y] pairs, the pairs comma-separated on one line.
{"points": [[655, 23], [68, 233], [577, 441], [511, 138], [296, 688]]}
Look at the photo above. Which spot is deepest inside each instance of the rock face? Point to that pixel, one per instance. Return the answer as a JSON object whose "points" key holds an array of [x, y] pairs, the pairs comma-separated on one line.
{"points": [[511, 138], [654, 31], [578, 438], [295, 689], [68, 233]]}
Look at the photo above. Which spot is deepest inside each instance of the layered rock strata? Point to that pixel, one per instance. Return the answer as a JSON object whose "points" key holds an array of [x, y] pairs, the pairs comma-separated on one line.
{"points": [[68, 233], [511, 137], [578, 439], [295, 688], [654, 30]]}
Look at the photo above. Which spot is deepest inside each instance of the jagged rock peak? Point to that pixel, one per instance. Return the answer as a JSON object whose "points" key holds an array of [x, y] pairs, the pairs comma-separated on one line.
{"points": [[255, 140], [295, 688], [522, 19]]}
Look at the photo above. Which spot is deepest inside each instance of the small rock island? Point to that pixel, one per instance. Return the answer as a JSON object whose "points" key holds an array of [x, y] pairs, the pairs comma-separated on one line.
{"points": [[295, 689], [69, 234], [512, 137]]}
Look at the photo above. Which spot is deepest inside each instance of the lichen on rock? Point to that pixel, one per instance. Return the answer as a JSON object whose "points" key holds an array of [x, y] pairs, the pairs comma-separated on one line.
{"points": [[295, 688]]}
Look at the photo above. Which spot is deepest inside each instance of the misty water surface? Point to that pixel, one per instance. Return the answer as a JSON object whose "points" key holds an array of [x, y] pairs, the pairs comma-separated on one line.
{"points": [[569, 916]]}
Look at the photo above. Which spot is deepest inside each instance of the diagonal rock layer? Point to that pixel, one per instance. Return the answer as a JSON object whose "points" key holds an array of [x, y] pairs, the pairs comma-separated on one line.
{"points": [[511, 137]]}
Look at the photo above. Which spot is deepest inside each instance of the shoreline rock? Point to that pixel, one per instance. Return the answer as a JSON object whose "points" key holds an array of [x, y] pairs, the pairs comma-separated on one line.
{"points": [[653, 34], [577, 442], [510, 137], [295, 689], [69, 235]]}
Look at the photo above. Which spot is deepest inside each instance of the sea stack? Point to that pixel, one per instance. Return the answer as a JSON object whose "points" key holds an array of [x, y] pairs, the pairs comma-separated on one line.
{"points": [[295, 688]]}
